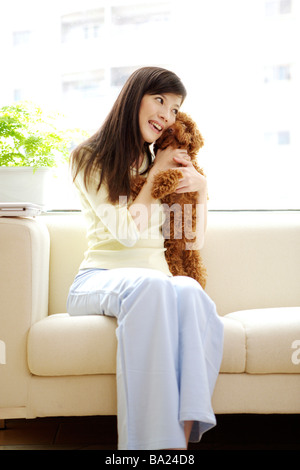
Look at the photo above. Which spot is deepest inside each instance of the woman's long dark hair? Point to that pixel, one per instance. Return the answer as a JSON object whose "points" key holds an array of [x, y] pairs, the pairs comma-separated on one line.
{"points": [[117, 146]]}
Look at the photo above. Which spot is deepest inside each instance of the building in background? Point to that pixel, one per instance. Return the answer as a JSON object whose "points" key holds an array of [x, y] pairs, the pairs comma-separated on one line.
{"points": [[75, 56], [239, 60]]}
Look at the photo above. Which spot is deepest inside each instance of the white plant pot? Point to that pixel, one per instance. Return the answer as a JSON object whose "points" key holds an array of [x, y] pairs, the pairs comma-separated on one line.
{"points": [[23, 184]]}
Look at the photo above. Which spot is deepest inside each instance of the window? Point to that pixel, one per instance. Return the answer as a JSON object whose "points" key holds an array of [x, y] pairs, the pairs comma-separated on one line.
{"points": [[119, 75], [277, 72], [278, 7], [277, 138], [285, 6], [239, 61], [19, 94], [80, 86], [82, 26], [141, 14], [21, 37]]}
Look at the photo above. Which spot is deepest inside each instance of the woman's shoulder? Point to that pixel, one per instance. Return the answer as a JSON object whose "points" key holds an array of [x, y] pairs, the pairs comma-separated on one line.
{"points": [[83, 151]]}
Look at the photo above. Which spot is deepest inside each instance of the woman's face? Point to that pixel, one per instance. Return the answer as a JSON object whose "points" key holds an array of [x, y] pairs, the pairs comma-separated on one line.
{"points": [[157, 113]]}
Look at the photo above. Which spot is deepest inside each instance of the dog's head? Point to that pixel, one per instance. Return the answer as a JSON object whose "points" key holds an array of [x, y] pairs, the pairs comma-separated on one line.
{"points": [[182, 134]]}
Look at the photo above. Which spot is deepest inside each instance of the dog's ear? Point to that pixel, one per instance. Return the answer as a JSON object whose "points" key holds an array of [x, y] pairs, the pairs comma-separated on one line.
{"points": [[196, 140]]}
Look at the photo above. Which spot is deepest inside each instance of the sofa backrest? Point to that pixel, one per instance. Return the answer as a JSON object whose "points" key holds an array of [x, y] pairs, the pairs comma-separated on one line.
{"points": [[252, 258], [67, 246]]}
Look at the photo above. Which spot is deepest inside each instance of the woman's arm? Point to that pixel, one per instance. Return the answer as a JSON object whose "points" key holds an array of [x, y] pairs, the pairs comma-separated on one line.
{"points": [[140, 209], [192, 181]]}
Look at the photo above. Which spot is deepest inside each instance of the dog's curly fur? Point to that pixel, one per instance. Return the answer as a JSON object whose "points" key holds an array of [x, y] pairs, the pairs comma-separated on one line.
{"points": [[182, 261]]}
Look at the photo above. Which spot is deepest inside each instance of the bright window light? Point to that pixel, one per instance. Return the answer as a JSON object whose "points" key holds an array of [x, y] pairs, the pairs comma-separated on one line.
{"points": [[239, 60]]}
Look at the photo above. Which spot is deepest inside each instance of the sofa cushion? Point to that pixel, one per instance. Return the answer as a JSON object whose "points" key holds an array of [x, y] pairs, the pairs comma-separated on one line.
{"points": [[64, 345], [234, 350], [258, 341], [270, 335]]}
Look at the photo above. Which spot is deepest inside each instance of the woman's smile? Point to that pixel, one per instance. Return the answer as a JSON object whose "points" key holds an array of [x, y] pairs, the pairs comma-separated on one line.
{"points": [[156, 126]]}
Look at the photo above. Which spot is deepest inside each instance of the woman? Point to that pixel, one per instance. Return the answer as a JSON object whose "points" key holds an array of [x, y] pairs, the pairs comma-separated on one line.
{"points": [[169, 334]]}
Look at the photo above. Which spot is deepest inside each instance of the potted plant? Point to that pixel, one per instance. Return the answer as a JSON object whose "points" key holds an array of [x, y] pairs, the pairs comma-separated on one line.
{"points": [[30, 146]]}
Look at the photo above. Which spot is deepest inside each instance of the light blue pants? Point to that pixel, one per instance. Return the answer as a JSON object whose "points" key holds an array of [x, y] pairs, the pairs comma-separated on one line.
{"points": [[170, 345]]}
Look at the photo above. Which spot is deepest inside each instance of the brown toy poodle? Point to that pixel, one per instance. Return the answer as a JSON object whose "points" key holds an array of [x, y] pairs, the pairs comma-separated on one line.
{"points": [[179, 228]]}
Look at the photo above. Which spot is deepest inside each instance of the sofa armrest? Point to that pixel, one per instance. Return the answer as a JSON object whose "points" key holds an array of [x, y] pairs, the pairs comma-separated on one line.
{"points": [[24, 281]]}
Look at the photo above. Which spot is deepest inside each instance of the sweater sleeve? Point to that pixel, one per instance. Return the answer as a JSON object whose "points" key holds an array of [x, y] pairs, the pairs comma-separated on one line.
{"points": [[115, 217]]}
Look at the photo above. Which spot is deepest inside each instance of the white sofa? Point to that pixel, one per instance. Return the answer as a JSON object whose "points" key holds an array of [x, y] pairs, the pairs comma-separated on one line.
{"points": [[55, 365]]}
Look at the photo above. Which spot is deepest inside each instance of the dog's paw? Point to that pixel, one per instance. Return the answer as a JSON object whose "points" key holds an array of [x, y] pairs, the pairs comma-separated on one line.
{"points": [[165, 182]]}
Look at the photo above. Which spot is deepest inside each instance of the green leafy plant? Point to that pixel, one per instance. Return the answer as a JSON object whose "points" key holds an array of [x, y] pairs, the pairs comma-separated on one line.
{"points": [[29, 137]]}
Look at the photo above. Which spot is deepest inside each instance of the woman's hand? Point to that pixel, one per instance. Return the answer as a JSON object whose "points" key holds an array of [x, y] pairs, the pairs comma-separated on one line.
{"points": [[165, 159], [192, 180], [178, 158]]}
